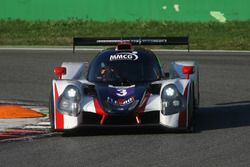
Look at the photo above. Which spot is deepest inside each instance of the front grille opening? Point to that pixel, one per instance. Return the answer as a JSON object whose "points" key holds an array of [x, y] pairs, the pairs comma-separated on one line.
{"points": [[146, 118]]}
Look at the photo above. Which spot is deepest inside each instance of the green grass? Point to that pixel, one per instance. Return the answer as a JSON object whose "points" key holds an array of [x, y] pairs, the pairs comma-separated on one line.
{"points": [[211, 35]]}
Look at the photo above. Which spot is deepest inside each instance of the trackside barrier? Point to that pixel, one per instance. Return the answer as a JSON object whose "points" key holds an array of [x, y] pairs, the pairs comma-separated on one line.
{"points": [[79, 41]]}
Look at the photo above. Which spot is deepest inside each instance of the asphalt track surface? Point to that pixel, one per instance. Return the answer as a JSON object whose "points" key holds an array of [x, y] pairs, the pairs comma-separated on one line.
{"points": [[223, 120]]}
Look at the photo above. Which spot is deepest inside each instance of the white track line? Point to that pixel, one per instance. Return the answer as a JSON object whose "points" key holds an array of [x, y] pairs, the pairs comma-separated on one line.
{"points": [[54, 49], [44, 123], [99, 49], [36, 127]]}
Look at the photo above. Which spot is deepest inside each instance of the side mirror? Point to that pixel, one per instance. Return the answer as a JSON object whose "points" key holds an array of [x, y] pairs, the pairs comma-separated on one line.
{"points": [[187, 70], [59, 72]]}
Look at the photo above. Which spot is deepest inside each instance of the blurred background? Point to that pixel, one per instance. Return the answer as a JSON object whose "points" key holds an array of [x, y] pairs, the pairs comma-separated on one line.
{"points": [[210, 24]]}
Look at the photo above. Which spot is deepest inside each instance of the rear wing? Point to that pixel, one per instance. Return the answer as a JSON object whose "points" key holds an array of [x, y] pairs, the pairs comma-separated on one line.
{"points": [[79, 41]]}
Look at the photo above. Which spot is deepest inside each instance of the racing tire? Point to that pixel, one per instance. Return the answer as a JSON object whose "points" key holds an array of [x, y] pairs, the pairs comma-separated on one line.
{"points": [[191, 110], [51, 112]]}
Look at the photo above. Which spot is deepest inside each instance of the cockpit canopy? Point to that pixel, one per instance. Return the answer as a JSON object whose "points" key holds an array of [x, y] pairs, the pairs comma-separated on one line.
{"points": [[112, 66]]}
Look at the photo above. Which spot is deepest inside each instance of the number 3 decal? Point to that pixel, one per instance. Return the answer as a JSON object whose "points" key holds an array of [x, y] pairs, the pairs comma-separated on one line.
{"points": [[121, 92]]}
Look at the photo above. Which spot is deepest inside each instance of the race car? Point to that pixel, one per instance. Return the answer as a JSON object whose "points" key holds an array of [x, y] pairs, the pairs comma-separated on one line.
{"points": [[124, 85]]}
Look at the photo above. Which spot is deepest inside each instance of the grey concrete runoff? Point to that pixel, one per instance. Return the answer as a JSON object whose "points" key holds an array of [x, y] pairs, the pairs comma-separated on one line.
{"points": [[17, 123]]}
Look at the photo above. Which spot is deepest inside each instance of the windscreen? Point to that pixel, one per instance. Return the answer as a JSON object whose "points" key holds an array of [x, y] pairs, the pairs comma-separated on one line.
{"points": [[112, 69]]}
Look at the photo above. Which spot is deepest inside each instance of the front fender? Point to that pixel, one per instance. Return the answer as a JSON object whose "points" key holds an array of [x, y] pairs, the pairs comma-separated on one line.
{"points": [[62, 121], [178, 119]]}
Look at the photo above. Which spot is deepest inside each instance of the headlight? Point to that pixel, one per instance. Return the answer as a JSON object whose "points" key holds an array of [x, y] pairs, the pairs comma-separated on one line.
{"points": [[72, 92], [170, 91], [68, 102], [176, 103], [172, 101]]}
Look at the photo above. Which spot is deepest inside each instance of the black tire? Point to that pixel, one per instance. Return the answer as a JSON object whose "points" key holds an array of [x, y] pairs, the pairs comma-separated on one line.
{"points": [[51, 111], [191, 110]]}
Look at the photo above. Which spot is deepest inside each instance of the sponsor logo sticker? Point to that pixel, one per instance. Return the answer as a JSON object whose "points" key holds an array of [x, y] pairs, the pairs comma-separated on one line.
{"points": [[120, 101], [124, 56]]}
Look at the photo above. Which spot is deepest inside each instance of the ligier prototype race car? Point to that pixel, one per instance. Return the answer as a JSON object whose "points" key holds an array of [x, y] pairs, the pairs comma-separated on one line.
{"points": [[124, 85]]}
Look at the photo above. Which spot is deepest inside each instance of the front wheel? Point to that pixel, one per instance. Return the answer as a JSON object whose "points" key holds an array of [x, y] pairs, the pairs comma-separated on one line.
{"points": [[191, 112], [51, 111]]}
